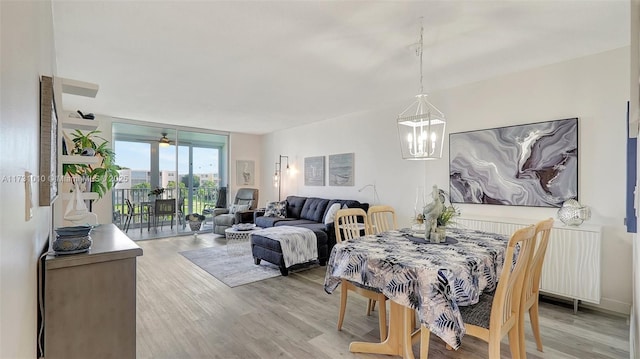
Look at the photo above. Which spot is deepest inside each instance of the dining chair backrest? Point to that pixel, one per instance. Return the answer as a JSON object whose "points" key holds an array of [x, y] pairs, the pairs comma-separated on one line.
{"points": [[532, 281], [350, 222], [506, 301], [382, 218], [164, 207], [531, 288]]}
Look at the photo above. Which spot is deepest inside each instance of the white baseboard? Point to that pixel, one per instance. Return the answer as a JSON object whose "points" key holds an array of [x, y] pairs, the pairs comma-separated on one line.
{"points": [[611, 305]]}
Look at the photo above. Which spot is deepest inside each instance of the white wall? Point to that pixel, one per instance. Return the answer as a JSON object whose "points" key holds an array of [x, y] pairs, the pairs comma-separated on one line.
{"points": [[27, 53], [634, 79], [593, 88], [243, 147]]}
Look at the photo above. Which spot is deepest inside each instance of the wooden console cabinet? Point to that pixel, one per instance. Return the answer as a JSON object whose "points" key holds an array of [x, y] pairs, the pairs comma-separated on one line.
{"points": [[90, 299]]}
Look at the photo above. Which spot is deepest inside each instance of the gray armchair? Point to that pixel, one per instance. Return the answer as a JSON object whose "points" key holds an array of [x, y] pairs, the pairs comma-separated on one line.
{"points": [[222, 219]]}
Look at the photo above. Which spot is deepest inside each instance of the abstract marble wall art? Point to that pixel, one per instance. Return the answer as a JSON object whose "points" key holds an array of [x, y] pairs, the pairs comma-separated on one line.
{"points": [[526, 165]]}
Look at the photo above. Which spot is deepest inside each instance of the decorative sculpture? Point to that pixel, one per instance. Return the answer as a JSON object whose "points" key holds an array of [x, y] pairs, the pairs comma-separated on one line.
{"points": [[431, 212]]}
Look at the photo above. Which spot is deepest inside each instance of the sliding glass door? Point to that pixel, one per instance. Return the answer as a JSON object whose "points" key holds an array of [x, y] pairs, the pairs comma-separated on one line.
{"points": [[190, 169], [199, 176]]}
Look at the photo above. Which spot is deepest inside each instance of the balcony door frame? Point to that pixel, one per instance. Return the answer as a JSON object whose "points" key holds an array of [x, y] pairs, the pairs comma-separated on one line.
{"points": [[173, 132]]}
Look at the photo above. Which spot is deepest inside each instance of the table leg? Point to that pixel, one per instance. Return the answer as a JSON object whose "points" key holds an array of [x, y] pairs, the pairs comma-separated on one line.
{"points": [[398, 340]]}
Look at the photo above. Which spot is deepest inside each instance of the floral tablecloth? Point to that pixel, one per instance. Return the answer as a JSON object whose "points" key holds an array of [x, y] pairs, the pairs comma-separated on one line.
{"points": [[433, 279]]}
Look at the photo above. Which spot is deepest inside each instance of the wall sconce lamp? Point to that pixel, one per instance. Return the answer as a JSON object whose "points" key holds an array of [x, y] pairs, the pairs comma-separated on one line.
{"points": [[376, 199], [277, 177]]}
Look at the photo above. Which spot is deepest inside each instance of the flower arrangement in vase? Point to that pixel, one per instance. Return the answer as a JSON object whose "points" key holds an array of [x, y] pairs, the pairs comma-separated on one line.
{"points": [[156, 192], [448, 214]]}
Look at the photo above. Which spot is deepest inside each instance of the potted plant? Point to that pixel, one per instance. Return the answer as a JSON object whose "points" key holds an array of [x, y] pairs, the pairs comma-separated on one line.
{"points": [[102, 176], [156, 192], [195, 221], [448, 214]]}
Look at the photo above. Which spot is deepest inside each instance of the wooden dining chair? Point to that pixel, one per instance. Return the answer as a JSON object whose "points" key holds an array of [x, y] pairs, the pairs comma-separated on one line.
{"points": [[497, 315], [382, 218], [349, 225], [531, 289]]}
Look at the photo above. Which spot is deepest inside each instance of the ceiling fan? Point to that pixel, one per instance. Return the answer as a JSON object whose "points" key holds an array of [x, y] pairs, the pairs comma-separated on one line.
{"points": [[164, 140]]}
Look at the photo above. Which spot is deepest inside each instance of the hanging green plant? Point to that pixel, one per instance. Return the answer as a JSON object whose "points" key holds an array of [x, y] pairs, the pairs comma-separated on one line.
{"points": [[102, 176]]}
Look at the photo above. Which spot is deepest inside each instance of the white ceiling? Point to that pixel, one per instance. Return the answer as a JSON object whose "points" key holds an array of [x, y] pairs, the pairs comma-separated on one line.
{"points": [[260, 66]]}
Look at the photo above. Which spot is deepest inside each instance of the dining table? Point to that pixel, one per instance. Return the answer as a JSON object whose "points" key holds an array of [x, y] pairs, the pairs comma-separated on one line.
{"points": [[432, 279]]}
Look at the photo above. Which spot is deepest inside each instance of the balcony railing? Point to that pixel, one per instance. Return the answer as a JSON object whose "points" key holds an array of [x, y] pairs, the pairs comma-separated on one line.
{"points": [[194, 203]]}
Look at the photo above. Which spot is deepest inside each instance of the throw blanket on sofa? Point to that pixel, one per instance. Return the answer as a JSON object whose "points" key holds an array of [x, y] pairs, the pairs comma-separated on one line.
{"points": [[299, 245]]}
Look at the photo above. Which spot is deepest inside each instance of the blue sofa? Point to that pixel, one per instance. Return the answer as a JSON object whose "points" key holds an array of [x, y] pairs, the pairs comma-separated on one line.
{"points": [[308, 212]]}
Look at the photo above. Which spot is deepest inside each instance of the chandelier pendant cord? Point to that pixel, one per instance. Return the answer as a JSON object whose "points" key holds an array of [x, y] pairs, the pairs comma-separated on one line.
{"points": [[421, 133], [419, 53]]}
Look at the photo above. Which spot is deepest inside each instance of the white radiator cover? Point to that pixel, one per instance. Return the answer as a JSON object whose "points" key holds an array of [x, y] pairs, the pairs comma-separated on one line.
{"points": [[572, 263]]}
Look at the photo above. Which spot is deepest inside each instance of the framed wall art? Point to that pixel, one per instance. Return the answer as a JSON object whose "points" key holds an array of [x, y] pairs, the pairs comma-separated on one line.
{"points": [[245, 173], [525, 165], [48, 178], [341, 169], [314, 171]]}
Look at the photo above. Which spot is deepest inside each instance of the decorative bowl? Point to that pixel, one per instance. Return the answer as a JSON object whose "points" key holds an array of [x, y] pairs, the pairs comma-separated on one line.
{"points": [[244, 226], [73, 231], [68, 245]]}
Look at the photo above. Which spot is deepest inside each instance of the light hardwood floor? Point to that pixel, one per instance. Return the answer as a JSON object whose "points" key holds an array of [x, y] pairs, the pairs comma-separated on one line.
{"points": [[183, 312]]}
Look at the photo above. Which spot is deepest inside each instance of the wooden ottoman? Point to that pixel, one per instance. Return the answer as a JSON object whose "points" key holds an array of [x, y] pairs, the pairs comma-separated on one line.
{"points": [[268, 249]]}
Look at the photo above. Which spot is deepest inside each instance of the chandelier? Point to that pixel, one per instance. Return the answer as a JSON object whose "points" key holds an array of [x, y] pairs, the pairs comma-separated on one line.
{"points": [[421, 126]]}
